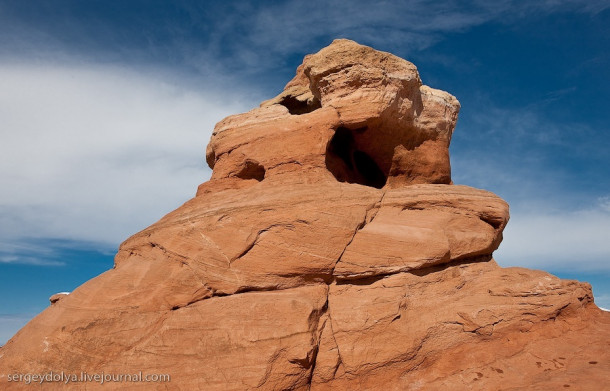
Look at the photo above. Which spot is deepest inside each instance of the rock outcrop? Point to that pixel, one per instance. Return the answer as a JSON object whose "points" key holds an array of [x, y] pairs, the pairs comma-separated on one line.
{"points": [[57, 297], [329, 250]]}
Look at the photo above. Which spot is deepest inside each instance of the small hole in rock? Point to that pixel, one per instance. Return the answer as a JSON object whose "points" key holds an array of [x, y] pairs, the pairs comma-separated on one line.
{"points": [[297, 107], [251, 170]]}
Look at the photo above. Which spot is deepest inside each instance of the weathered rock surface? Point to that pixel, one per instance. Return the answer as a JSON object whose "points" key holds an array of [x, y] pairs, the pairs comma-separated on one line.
{"points": [[328, 251]]}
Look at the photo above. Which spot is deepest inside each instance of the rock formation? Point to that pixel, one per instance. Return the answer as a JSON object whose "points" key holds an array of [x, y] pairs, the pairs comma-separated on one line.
{"points": [[329, 250]]}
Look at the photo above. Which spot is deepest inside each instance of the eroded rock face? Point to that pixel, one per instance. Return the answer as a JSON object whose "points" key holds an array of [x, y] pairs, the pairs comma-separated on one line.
{"points": [[328, 251], [360, 115]]}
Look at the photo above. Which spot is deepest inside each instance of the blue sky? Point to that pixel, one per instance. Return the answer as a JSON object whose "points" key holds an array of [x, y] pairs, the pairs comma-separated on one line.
{"points": [[106, 108]]}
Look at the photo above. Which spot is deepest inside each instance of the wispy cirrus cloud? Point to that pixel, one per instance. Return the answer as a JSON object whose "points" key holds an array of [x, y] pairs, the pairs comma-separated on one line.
{"points": [[291, 24], [250, 36], [18, 250], [50, 251], [604, 203]]}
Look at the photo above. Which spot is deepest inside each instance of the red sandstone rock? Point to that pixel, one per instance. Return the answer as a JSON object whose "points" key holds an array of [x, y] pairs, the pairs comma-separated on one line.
{"points": [[57, 297], [328, 251]]}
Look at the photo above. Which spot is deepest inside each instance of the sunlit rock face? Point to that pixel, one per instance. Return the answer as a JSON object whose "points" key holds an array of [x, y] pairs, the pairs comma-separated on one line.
{"points": [[329, 250]]}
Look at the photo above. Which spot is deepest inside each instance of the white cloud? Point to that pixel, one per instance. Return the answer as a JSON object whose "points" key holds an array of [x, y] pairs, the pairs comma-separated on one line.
{"points": [[566, 241], [30, 260], [97, 153], [37, 253]]}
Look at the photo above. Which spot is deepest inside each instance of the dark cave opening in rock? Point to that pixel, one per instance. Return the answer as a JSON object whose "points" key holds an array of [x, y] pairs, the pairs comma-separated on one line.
{"points": [[369, 170], [342, 145], [350, 164], [297, 107]]}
